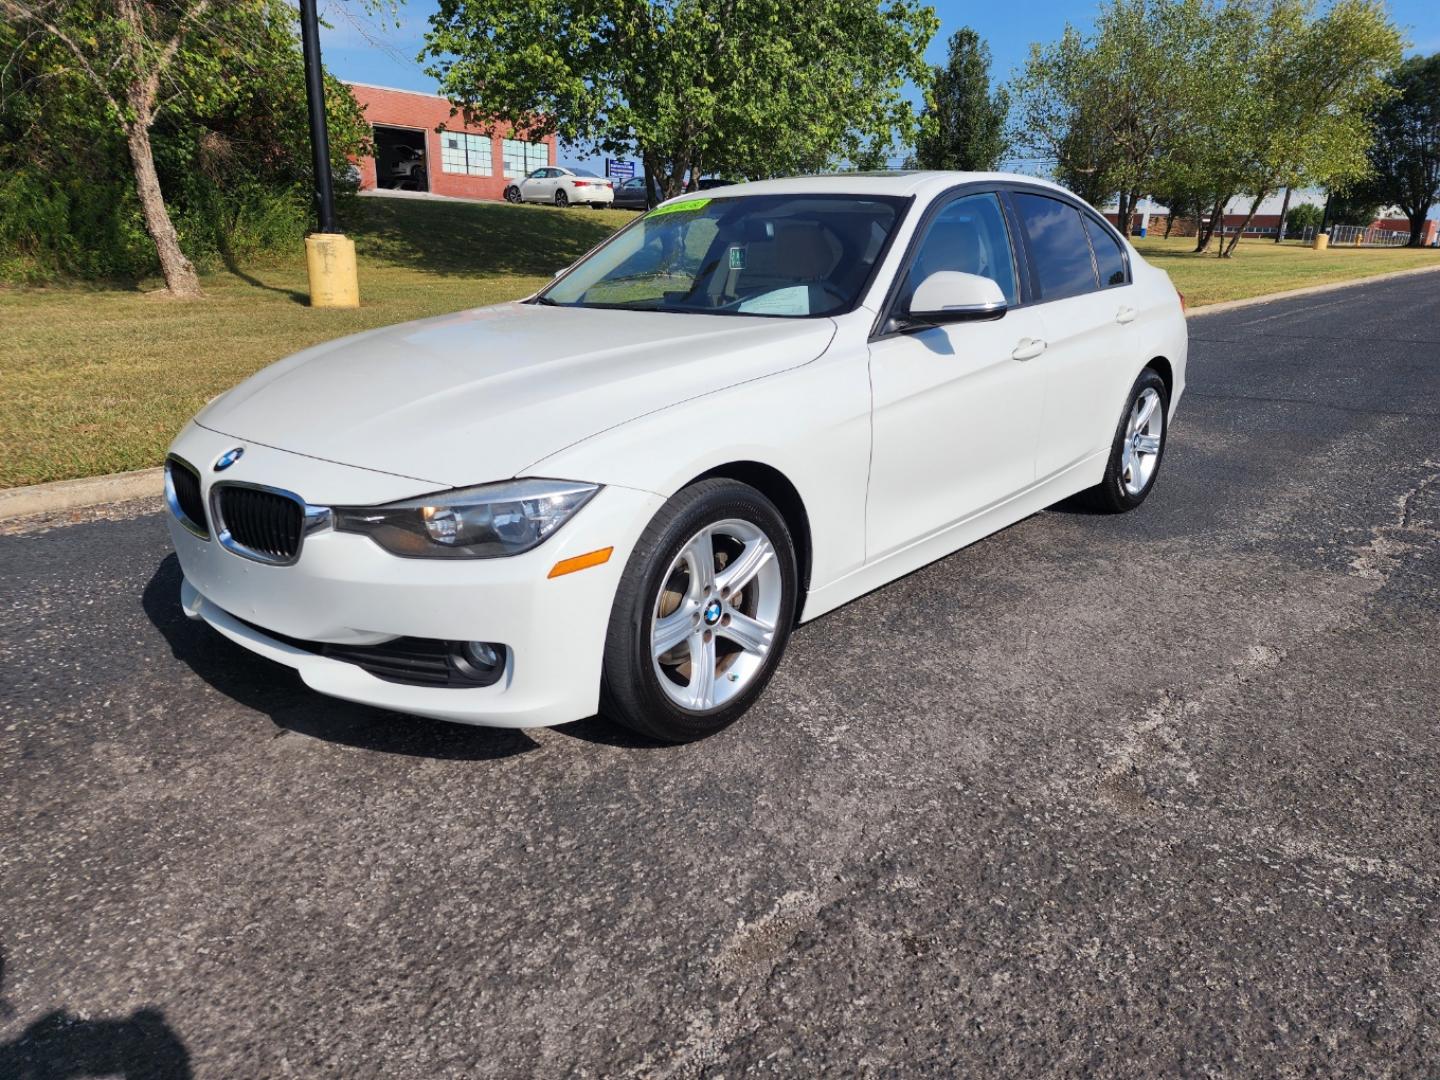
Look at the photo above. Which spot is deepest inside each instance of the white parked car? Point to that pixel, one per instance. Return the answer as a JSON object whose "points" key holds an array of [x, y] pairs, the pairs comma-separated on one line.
{"points": [[745, 409], [563, 187]]}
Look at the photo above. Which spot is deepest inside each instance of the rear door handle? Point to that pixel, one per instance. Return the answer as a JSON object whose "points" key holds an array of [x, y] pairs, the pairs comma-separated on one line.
{"points": [[1028, 349], [1126, 314]]}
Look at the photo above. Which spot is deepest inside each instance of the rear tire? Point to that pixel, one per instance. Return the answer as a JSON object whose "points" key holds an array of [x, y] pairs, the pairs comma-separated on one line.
{"points": [[1138, 448], [561, 199], [690, 648]]}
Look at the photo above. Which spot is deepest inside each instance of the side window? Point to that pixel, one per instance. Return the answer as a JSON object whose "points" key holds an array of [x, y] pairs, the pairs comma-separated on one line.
{"points": [[1109, 259], [968, 235], [1057, 242]]}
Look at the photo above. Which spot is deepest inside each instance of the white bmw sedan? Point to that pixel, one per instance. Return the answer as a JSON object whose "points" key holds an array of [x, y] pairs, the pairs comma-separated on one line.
{"points": [[620, 495]]}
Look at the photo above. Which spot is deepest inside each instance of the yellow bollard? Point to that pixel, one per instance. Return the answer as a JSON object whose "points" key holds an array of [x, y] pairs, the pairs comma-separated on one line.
{"points": [[1322, 241], [330, 258]]}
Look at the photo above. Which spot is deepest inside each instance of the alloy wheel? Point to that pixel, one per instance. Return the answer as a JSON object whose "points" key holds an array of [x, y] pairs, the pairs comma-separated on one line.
{"points": [[1140, 452], [714, 619]]}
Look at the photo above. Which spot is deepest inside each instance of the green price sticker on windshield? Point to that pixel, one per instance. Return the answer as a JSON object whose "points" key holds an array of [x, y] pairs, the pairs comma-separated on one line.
{"points": [[680, 207]]}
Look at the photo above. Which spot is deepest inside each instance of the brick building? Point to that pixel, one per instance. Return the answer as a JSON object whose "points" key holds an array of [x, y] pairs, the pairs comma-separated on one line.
{"points": [[420, 146]]}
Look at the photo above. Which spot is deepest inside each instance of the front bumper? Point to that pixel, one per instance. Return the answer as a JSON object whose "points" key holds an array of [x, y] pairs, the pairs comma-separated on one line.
{"points": [[345, 589]]}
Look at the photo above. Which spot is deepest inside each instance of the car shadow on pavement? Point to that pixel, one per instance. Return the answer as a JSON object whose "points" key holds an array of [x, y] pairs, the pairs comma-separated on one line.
{"points": [[276, 691], [60, 1045]]}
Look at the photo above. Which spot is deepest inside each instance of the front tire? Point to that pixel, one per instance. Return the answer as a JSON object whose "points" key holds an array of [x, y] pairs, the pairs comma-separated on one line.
{"points": [[512, 194], [1138, 448], [702, 615]]}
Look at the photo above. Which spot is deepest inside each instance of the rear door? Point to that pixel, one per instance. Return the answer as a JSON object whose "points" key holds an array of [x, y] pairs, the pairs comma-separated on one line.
{"points": [[1085, 329], [954, 407]]}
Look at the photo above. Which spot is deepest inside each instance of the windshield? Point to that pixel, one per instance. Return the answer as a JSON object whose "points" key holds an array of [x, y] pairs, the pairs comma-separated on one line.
{"points": [[779, 255]]}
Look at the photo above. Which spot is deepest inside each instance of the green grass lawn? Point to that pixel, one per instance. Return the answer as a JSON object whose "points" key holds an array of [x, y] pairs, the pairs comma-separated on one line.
{"points": [[1263, 266], [98, 380]]}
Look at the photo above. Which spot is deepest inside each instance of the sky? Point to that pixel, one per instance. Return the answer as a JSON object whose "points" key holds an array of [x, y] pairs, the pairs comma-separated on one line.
{"points": [[370, 52]]}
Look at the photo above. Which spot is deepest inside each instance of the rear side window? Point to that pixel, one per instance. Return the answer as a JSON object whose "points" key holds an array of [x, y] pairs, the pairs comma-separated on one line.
{"points": [[1057, 243], [1108, 258]]}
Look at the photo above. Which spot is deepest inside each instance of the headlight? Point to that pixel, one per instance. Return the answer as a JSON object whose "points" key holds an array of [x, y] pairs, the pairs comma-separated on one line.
{"points": [[486, 522]]}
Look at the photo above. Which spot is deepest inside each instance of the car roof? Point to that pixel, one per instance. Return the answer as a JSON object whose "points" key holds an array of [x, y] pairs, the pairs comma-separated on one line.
{"points": [[903, 182]]}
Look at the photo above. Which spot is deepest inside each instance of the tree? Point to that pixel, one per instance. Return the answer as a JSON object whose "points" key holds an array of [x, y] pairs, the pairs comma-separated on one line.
{"points": [[963, 125], [735, 87], [1305, 107], [1108, 107], [1405, 152], [174, 98], [1305, 216], [1357, 204]]}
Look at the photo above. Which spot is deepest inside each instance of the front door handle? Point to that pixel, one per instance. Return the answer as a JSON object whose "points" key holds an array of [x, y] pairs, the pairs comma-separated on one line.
{"points": [[1125, 315], [1028, 349]]}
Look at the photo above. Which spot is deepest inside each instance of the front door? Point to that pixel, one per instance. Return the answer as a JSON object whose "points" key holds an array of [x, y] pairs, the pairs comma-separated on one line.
{"points": [[538, 186], [956, 408]]}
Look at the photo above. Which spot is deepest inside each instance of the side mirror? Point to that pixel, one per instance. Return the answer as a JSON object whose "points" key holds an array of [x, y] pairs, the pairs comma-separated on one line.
{"points": [[948, 296]]}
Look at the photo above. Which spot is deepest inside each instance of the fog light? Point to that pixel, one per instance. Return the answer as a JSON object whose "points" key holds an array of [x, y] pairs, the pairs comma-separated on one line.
{"points": [[482, 654], [478, 663]]}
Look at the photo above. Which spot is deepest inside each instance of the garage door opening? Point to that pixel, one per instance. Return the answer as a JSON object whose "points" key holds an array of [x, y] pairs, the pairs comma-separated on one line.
{"points": [[400, 159]]}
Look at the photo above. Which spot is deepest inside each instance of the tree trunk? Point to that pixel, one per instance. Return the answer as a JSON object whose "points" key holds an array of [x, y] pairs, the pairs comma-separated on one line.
{"points": [[1417, 226], [1124, 211], [1284, 209], [1203, 232], [1226, 252], [651, 165], [180, 277]]}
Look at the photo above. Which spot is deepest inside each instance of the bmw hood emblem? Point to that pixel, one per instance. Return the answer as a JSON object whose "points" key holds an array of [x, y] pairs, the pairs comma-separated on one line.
{"points": [[225, 460]]}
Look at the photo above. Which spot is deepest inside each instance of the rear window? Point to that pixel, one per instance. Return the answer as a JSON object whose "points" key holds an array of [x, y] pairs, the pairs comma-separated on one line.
{"points": [[1057, 243], [1109, 260]]}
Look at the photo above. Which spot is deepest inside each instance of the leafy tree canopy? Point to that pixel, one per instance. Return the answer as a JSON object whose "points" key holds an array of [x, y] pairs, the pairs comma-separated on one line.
{"points": [[963, 125], [733, 87], [227, 134], [1405, 152]]}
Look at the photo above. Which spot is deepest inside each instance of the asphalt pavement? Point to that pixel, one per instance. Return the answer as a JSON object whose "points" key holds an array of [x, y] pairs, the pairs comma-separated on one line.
{"points": [[1118, 796]]}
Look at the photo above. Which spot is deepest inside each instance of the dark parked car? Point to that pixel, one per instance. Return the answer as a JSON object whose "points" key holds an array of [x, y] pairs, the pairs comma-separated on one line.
{"points": [[630, 194]]}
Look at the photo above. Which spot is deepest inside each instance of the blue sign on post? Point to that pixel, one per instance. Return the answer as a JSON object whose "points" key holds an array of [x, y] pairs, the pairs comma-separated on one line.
{"points": [[620, 170]]}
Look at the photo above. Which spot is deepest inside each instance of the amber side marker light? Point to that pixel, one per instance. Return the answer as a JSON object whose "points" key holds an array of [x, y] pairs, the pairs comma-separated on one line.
{"points": [[580, 562], [1182, 301]]}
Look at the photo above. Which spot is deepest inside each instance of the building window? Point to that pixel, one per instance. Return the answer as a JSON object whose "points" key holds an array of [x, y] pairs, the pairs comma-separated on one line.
{"points": [[465, 154], [522, 158]]}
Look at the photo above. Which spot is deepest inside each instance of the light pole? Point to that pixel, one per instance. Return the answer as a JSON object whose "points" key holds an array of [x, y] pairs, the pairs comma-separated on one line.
{"points": [[329, 255], [315, 98]]}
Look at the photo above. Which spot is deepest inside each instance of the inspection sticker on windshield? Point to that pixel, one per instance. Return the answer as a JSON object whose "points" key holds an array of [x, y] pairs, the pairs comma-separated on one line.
{"points": [[680, 207], [737, 257]]}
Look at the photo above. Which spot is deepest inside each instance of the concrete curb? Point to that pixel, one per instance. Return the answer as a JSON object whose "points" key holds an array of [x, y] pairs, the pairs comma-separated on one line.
{"points": [[1309, 290], [147, 483], [77, 494]]}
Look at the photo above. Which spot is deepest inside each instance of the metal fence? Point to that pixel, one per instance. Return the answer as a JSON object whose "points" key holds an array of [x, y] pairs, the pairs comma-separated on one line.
{"points": [[1363, 236]]}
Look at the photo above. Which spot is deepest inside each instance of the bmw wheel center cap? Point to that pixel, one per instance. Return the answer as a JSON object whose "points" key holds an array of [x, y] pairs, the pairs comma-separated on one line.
{"points": [[712, 613]]}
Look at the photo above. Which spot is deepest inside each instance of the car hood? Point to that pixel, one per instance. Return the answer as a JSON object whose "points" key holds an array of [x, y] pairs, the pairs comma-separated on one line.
{"points": [[483, 394]]}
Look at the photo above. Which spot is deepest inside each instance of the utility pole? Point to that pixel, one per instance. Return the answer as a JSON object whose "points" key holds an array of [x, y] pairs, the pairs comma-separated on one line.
{"points": [[329, 255]]}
